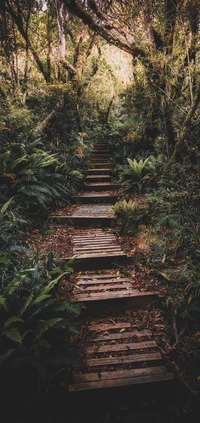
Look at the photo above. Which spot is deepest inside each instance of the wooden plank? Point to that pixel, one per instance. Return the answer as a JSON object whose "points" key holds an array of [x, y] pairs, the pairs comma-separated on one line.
{"points": [[108, 326], [118, 374], [96, 249], [96, 240], [121, 382], [101, 281], [100, 276], [133, 358], [110, 295], [106, 287], [110, 255], [120, 347], [121, 336]]}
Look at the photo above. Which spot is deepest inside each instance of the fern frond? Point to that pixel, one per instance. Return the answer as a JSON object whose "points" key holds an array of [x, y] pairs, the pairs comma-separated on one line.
{"points": [[39, 299], [12, 286], [11, 320], [12, 334], [6, 205], [17, 162], [26, 304], [73, 308], [51, 284], [45, 326], [3, 303]]}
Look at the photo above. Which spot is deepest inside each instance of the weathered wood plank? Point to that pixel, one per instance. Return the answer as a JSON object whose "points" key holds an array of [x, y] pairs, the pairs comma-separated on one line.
{"points": [[118, 374], [121, 336], [101, 276], [106, 287], [120, 347], [108, 326], [101, 281], [133, 358], [121, 382], [110, 295]]}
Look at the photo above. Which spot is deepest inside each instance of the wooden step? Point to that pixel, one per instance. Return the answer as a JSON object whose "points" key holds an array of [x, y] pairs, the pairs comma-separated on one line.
{"points": [[98, 178], [97, 261], [100, 215], [99, 155], [108, 293], [99, 165], [87, 198], [102, 186], [85, 222], [103, 171], [117, 355], [108, 253]]}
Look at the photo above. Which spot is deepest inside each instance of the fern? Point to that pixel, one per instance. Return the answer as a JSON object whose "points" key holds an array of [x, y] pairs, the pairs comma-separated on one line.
{"points": [[45, 326], [13, 334], [3, 303], [11, 320], [51, 284], [40, 299], [26, 304], [12, 286], [6, 205]]}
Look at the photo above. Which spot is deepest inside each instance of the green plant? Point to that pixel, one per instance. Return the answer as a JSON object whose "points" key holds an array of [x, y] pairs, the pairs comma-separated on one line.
{"points": [[36, 323], [139, 172], [39, 179], [130, 214]]}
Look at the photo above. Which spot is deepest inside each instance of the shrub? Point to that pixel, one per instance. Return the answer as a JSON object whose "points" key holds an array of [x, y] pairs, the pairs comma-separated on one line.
{"points": [[130, 214]]}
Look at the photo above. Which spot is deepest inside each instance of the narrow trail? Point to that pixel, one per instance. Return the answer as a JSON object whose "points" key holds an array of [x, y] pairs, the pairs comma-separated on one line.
{"points": [[123, 375]]}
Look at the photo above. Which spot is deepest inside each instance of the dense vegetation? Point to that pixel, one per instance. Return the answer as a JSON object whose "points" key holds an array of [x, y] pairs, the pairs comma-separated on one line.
{"points": [[71, 71]]}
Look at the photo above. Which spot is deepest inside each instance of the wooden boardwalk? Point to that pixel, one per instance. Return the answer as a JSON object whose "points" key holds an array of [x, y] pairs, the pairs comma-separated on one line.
{"points": [[116, 354]]}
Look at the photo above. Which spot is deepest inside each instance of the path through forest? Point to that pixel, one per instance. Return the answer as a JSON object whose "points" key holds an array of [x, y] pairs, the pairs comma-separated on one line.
{"points": [[124, 372]]}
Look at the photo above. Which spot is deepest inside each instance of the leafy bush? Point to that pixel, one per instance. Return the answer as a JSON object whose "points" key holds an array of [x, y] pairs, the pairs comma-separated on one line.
{"points": [[35, 326], [130, 214], [139, 172], [39, 179]]}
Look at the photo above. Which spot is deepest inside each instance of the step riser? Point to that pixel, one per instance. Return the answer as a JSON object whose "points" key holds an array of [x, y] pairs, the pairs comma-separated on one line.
{"points": [[117, 305], [97, 166], [97, 263], [99, 172], [98, 188], [98, 178], [95, 200], [85, 222]]}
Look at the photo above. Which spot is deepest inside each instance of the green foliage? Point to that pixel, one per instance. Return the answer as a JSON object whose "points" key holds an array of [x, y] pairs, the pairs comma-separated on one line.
{"points": [[139, 172], [130, 214], [39, 179], [36, 322]]}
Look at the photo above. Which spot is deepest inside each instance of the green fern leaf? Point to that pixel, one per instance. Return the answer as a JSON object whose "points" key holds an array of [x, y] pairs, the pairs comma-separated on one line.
{"points": [[3, 303], [26, 333], [73, 308], [3, 161], [51, 284], [26, 304], [6, 205], [13, 285], [17, 161], [11, 320], [12, 334], [45, 326], [40, 299]]}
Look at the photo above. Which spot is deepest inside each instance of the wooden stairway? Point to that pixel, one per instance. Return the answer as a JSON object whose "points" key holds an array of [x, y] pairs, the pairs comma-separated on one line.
{"points": [[112, 354]]}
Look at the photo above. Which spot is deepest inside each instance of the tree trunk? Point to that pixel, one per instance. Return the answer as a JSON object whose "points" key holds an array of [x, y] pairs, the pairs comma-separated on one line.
{"points": [[47, 122], [178, 149]]}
